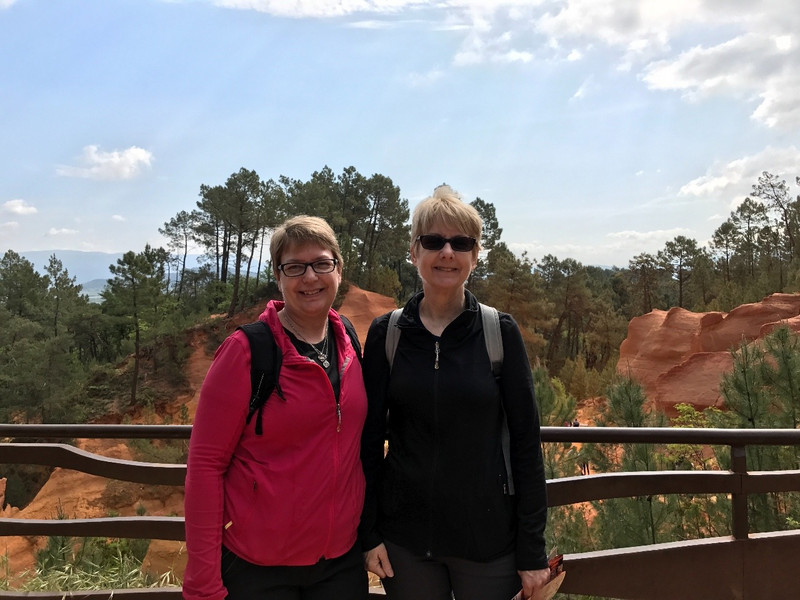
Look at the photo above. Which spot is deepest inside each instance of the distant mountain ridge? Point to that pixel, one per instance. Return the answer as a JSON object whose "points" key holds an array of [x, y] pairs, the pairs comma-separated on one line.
{"points": [[83, 266], [86, 267]]}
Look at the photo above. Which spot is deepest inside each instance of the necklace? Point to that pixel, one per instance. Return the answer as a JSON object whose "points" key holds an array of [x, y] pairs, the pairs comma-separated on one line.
{"points": [[322, 353]]}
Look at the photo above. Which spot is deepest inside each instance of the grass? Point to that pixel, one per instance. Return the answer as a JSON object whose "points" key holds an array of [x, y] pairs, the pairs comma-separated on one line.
{"points": [[67, 564]]}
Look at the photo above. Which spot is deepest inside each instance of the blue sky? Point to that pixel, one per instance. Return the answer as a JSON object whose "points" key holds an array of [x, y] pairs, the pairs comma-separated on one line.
{"points": [[599, 129]]}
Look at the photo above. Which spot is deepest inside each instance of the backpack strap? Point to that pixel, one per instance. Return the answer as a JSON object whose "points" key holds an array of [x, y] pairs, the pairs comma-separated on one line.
{"points": [[392, 335], [493, 338], [351, 333], [494, 347], [265, 364]]}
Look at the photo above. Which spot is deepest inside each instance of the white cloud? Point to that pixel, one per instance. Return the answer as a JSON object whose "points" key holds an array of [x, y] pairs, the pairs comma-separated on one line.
{"points": [[119, 164], [19, 207], [583, 90], [339, 8], [118, 218], [739, 64], [754, 55], [9, 225], [574, 55], [53, 231], [735, 178], [370, 25], [753, 65], [779, 106], [634, 26], [656, 235], [783, 43], [321, 8], [6, 3], [513, 56]]}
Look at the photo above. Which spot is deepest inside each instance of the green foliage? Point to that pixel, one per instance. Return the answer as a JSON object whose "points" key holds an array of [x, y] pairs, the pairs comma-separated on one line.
{"points": [[744, 389], [509, 284], [583, 382], [679, 259], [692, 456], [160, 451], [69, 564], [555, 407], [762, 392]]}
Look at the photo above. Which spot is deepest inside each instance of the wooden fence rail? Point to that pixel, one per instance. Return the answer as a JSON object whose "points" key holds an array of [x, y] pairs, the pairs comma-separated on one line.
{"points": [[726, 567]]}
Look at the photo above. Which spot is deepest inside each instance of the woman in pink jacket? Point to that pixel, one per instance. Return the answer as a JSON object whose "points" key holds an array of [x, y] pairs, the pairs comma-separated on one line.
{"points": [[273, 514]]}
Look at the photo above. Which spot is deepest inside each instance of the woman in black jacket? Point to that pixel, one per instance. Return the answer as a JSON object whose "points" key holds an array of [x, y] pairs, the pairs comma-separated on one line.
{"points": [[442, 514]]}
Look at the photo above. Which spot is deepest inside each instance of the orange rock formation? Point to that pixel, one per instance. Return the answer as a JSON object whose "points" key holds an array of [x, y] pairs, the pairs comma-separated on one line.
{"points": [[679, 356]]}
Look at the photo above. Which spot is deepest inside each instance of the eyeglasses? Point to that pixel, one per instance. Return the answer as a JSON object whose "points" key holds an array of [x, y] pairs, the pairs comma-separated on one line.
{"points": [[297, 269], [459, 243]]}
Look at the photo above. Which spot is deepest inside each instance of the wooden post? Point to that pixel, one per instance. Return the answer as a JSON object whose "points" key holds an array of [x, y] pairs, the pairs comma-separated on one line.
{"points": [[741, 526]]}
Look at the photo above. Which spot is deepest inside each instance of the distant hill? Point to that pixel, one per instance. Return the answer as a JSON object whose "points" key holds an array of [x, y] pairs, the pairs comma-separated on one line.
{"points": [[93, 288], [90, 269], [83, 266]]}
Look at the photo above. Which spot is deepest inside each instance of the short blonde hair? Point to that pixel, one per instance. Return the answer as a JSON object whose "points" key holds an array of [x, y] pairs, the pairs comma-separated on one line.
{"points": [[445, 206], [300, 231]]}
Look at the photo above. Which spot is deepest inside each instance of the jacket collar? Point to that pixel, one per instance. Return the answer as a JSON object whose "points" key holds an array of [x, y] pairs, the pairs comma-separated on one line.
{"points": [[410, 315]]}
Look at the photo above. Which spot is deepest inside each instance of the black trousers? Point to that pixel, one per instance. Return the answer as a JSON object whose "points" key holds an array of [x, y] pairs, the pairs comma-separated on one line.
{"points": [[443, 577], [342, 578]]}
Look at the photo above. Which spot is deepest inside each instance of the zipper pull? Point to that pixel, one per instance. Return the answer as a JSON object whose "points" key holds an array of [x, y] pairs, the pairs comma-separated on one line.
{"points": [[436, 363], [339, 417]]}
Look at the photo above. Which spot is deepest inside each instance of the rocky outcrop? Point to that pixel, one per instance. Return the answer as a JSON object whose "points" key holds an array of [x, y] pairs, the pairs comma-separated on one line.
{"points": [[679, 356]]}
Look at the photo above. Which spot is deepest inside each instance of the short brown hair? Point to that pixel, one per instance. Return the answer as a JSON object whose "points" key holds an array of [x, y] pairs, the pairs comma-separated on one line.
{"points": [[446, 206], [303, 230]]}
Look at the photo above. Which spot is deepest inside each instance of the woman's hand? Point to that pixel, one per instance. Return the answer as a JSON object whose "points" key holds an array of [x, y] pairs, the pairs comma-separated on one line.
{"points": [[377, 561], [533, 581]]}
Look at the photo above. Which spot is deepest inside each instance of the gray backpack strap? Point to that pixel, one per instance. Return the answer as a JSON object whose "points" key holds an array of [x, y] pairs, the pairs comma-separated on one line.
{"points": [[392, 336], [493, 337], [494, 347]]}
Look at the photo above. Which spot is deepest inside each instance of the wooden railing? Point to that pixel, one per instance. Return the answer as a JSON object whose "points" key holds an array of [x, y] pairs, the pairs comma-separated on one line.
{"points": [[736, 566]]}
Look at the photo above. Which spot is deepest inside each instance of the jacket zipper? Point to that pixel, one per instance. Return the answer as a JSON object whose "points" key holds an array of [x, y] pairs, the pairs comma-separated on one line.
{"points": [[338, 404], [336, 458], [435, 458]]}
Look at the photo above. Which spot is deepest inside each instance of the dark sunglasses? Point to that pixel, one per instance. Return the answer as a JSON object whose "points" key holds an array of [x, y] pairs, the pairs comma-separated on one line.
{"points": [[434, 241]]}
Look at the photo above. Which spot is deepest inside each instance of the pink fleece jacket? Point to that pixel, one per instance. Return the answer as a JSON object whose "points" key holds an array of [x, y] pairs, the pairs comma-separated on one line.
{"points": [[290, 496]]}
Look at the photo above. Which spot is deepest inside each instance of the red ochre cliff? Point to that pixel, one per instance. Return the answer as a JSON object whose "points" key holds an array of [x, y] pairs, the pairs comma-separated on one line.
{"points": [[679, 356]]}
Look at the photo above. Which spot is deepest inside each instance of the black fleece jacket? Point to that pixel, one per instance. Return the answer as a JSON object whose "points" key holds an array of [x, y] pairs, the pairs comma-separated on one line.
{"points": [[442, 488]]}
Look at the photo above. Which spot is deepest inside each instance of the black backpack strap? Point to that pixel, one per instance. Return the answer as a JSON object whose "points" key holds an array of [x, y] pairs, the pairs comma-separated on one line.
{"points": [[265, 364], [351, 333]]}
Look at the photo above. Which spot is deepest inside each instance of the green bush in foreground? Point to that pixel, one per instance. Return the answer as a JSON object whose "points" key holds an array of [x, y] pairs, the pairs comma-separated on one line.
{"points": [[68, 564]]}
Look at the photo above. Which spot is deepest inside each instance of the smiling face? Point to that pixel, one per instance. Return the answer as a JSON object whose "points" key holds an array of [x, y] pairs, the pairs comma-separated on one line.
{"points": [[311, 295], [443, 270]]}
